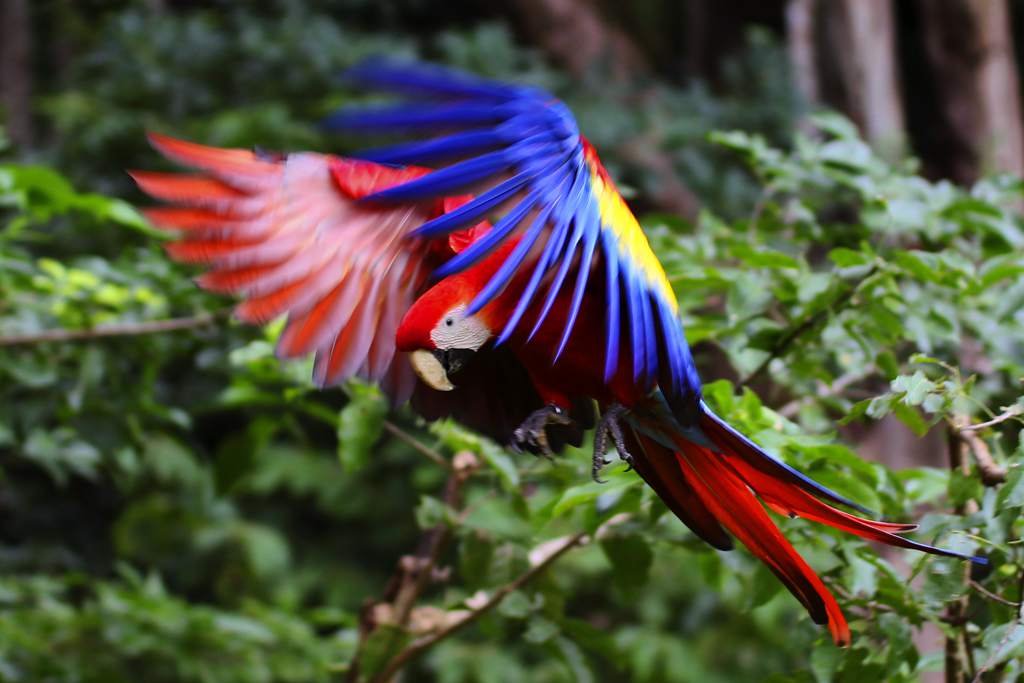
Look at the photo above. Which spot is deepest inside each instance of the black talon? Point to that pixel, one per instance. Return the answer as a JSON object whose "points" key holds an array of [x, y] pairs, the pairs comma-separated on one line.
{"points": [[607, 426], [531, 433]]}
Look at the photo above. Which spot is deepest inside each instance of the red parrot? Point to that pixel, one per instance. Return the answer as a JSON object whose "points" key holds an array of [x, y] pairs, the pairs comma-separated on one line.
{"points": [[545, 298]]}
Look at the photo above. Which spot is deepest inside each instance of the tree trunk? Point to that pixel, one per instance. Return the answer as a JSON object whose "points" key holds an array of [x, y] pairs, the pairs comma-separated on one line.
{"points": [[16, 70], [800, 45], [573, 33], [843, 54], [970, 50]]}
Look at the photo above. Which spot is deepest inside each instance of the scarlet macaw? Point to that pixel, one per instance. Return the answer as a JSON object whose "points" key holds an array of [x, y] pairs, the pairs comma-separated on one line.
{"points": [[559, 304]]}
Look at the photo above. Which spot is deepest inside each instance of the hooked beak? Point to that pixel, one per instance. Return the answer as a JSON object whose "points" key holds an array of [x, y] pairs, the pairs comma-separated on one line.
{"points": [[433, 367]]}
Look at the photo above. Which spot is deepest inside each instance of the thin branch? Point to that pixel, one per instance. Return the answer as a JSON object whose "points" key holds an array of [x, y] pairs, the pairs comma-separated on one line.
{"points": [[116, 330], [992, 596], [1007, 414], [417, 445], [424, 643]]}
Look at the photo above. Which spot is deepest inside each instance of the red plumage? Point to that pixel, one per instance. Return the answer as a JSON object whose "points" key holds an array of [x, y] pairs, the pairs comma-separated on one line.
{"points": [[294, 235]]}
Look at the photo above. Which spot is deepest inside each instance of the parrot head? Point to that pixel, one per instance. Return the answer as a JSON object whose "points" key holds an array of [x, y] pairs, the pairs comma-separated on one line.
{"points": [[438, 334]]}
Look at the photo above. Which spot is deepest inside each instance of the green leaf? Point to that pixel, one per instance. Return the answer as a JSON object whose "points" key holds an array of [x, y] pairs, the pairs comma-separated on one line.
{"points": [[1004, 642], [861, 575], [540, 629], [617, 479], [458, 438], [763, 257], [915, 387], [573, 658], [359, 425], [516, 605], [631, 558], [386, 641], [1011, 493], [825, 663], [430, 512], [764, 586], [848, 258], [911, 418]]}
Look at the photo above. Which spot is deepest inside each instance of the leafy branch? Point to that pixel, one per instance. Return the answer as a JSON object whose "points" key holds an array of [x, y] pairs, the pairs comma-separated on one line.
{"points": [[809, 322]]}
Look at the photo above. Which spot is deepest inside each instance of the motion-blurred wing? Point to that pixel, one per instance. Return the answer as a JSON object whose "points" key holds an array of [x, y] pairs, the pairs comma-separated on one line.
{"points": [[290, 236], [519, 150]]}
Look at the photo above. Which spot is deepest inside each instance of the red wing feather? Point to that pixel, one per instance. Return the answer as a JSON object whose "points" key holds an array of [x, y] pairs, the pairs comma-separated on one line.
{"points": [[290, 234]]}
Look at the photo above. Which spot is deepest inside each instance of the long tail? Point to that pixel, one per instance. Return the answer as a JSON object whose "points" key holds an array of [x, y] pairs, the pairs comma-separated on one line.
{"points": [[715, 479]]}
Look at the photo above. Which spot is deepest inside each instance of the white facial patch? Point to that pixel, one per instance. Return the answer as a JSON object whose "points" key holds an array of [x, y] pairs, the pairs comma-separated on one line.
{"points": [[458, 331]]}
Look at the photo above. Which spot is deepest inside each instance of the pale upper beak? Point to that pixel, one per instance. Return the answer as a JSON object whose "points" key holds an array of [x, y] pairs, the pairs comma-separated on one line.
{"points": [[428, 367], [436, 366]]}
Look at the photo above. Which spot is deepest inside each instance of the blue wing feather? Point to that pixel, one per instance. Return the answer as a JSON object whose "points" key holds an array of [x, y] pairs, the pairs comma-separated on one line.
{"points": [[635, 295], [513, 140], [512, 263], [611, 354], [497, 234], [437, 149], [473, 211], [403, 117], [651, 345], [560, 274], [550, 253], [591, 229]]}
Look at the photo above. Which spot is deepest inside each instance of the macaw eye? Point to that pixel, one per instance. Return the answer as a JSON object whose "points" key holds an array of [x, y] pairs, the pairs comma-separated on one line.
{"points": [[449, 322]]}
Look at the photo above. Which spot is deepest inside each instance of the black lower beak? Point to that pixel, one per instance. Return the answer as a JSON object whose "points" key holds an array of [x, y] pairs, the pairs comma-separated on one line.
{"points": [[453, 360]]}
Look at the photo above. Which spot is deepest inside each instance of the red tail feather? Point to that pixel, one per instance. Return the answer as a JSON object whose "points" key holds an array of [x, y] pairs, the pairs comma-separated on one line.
{"points": [[723, 480], [728, 497]]}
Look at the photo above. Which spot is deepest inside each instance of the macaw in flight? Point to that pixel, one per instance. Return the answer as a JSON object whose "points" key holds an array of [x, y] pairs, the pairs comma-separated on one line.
{"points": [[489, 270]]}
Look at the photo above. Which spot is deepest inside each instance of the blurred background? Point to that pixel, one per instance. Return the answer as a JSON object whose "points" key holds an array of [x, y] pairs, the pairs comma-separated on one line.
{"points": [[175, 505]]}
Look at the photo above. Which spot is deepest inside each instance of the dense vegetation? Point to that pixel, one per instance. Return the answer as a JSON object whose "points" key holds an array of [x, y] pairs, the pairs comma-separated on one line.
{"points": [[175, 505]]}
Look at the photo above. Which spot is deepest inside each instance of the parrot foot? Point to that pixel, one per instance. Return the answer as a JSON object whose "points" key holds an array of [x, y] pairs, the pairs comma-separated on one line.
{"points": [[532, 431], [608, 426]]}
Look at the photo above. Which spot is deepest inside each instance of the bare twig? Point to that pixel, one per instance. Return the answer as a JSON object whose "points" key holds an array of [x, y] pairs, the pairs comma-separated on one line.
{"points": [[116, 330], [417, 445], [423, 643]]}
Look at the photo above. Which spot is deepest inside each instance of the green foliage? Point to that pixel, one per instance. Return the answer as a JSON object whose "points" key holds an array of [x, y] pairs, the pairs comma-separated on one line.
{"points": [[184, 505]]}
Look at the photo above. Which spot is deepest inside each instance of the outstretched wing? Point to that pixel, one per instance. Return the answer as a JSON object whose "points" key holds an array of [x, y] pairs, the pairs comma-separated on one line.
{"points": [[520, 151], [290, 235]]}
